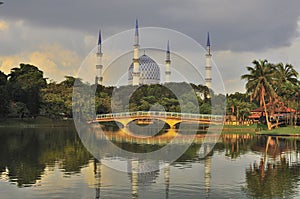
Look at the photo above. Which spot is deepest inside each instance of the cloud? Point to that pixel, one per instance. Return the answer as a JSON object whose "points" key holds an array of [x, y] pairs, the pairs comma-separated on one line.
{"points": [[235, 25], [3, 25], [54, 60], [233, 64], [51, 32]]}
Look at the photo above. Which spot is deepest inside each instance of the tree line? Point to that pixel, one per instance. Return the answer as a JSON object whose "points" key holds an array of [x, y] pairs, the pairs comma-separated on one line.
{"points": [[26, 93]]}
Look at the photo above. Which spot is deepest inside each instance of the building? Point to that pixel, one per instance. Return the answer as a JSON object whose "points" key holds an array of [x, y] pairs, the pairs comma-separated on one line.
{"points": [[144, 70]]}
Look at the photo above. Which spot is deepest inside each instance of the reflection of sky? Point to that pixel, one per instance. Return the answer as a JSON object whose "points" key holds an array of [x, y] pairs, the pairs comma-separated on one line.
{"points": [[227, 177]]}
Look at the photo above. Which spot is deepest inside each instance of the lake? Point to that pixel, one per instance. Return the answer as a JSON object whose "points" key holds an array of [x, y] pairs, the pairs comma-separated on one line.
{"points": [[53, 163]]}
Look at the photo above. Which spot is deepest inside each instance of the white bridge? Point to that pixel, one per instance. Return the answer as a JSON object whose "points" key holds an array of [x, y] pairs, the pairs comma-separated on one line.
{"points": [[171, 118]]}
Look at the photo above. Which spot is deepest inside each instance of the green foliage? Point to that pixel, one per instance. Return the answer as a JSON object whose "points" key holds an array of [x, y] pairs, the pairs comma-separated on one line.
{"points": [[239, 105], [57, 100], [274, 84], [172, 97], [25, 84], [4, 96], [25, 92]]}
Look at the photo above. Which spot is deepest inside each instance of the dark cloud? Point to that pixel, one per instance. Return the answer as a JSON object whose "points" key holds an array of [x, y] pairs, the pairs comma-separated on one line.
{"points": [[235, 25]]}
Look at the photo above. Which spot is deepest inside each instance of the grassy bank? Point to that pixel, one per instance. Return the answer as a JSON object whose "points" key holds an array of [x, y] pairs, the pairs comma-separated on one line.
{"points": [[34, 123], [282, 131], [236, 129]]}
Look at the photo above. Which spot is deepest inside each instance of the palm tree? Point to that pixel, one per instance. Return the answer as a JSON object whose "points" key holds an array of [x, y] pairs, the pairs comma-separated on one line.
{"points": [[287, 84], [286, 73], [260, 81], [286, 80]]}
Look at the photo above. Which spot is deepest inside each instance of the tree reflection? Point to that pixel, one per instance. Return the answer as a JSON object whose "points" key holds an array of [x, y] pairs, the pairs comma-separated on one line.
{"points": [[275, 176], [273, 180], [25, 153]]}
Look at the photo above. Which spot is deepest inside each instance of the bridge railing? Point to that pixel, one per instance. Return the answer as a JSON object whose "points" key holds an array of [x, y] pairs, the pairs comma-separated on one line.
{"points": [[161, 114]]}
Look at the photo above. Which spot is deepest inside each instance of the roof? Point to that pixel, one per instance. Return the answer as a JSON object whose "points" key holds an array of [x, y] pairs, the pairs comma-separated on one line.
{"points": [[282, 109], [255, 116]]}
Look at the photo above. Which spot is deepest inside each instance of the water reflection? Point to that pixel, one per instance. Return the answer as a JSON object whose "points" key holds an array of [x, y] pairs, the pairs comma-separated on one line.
{"points": [[272, 179], [277, 173], [25, 153], [97, 173], [269, 167]]}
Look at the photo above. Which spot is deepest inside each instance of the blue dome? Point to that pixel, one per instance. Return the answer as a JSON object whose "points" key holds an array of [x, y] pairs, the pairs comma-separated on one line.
{"points": [[149, 71]]}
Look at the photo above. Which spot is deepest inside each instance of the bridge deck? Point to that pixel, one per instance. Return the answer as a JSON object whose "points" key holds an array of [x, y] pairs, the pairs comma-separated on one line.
{"points": [[159, 115]]}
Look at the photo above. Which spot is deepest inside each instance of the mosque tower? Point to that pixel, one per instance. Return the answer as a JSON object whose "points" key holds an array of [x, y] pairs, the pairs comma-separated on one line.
{"points": [[208, 64], [143, 70], [168, 63], [99, 66], [136, 62]]}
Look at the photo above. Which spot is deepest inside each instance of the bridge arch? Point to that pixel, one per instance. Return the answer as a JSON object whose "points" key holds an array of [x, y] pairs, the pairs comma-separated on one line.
{"points": [[171, 118]]}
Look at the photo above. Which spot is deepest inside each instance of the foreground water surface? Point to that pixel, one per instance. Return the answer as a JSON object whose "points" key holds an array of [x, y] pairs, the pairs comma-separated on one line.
{"points": [[53, 163]]}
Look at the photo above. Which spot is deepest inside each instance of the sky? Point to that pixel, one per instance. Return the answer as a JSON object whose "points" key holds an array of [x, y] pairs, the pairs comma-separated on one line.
{"points": [[57, 35]]}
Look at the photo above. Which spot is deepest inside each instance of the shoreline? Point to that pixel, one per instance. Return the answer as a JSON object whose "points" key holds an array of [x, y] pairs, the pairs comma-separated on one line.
{"points": [[44, 122], [38, 122], [282, 131]]}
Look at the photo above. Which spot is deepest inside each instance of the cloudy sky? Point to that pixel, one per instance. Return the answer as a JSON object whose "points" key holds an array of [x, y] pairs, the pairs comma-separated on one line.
{"points": [[56, 35]]}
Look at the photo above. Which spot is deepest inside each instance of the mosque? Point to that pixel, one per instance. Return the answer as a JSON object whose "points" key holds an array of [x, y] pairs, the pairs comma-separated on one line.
{"points": [[144, 70]]}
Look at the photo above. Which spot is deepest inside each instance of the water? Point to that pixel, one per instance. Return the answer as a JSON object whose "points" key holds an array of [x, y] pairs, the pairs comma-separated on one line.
{"points": [[53, 163]]}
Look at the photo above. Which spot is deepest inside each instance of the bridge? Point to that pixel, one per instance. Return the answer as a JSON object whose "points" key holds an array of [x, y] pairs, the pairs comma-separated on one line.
{"points": [[171, 118]]}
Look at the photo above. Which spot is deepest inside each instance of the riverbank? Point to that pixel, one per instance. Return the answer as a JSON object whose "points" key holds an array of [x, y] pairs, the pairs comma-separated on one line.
{"points": [[34, 123], [235, 129], [47, 122], [282, 131]]}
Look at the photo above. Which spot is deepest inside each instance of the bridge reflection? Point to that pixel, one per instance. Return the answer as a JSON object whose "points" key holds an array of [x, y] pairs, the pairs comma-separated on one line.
{"points": [[125, 136]]}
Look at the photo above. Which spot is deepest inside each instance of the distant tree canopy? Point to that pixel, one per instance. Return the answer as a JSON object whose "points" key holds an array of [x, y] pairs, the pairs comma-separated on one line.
{"points": [[172, 97], [25, 92]]}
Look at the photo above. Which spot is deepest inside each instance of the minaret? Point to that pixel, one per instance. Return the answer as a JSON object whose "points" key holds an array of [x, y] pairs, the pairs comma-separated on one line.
{"points": [[168, 63], [136, 63], [208, 64], [99, 66]]}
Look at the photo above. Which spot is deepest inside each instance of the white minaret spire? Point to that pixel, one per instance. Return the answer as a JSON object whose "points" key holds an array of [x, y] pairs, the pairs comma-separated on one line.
{"points": [[168, 63], [208, 64], [99, 66], [136, 63]]}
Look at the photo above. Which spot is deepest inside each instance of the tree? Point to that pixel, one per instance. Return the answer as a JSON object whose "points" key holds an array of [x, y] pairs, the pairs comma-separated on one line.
{"points": [[238, 104], [287, 85], [25, 84], [286, 73], [57, 100], [260, 81], [286, 82], [4, 97]]}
